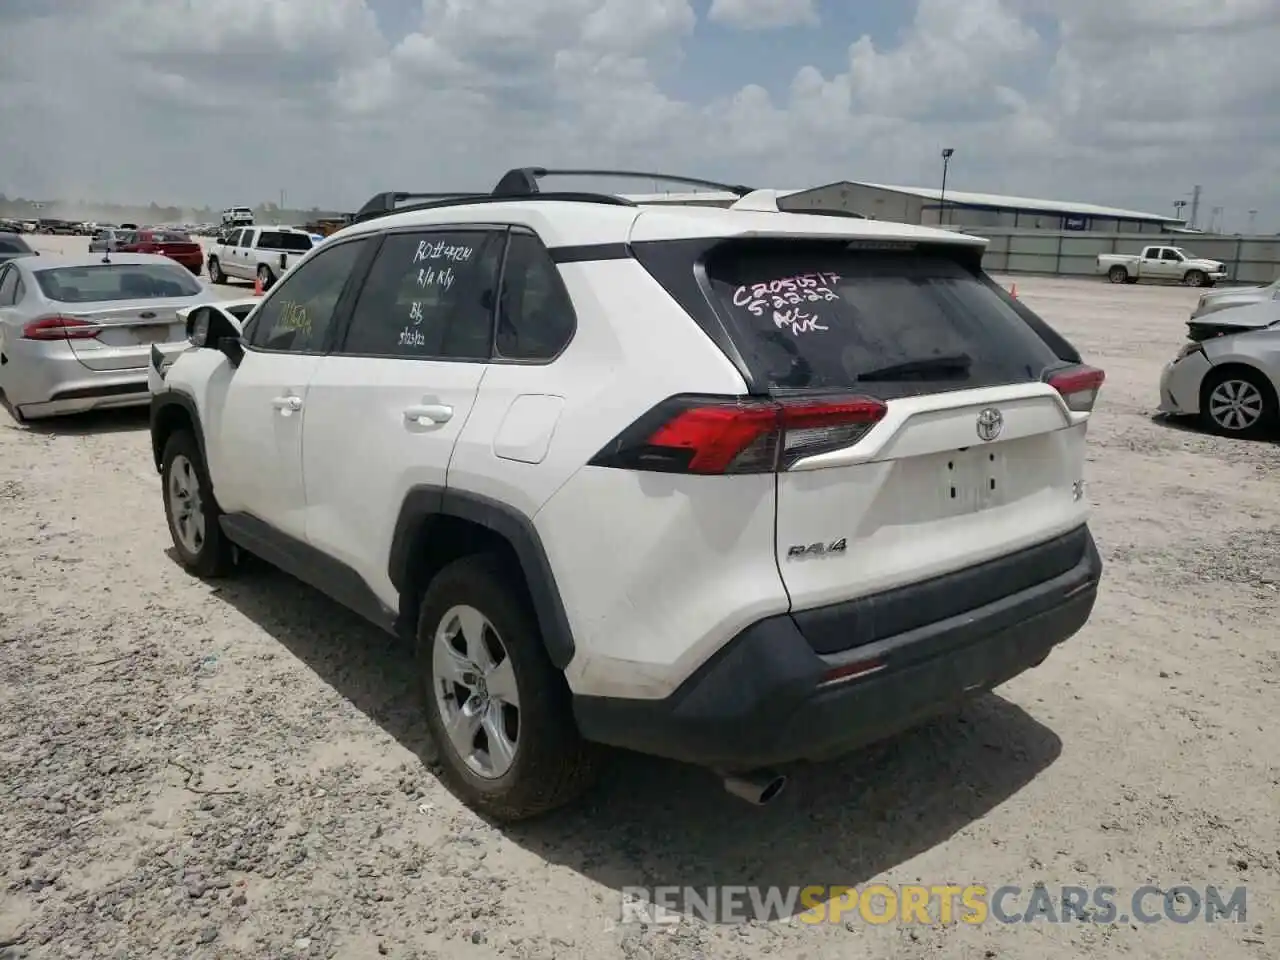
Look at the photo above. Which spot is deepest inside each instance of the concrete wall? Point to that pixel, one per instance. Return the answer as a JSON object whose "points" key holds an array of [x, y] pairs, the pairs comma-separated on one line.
{"points": [[1073, 253]]}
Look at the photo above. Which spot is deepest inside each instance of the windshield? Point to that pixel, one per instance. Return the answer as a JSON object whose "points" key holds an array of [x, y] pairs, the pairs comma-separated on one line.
{"points": [[810, 317], [116, 281], [13, 245]]}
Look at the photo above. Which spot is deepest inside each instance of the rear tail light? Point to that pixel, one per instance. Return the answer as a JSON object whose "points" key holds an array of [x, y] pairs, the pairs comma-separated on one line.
{"points": [[1079, 387], [715, 435], [60, 328]]}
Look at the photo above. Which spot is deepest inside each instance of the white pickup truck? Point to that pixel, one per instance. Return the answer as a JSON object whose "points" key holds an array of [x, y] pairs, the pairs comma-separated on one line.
{"points": [[257, 253], [1161, 263]]}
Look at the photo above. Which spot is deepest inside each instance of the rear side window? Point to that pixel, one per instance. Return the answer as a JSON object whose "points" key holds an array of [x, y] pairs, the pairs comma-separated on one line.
{"points": [[116, 281], [8, 286], [535, 316], [818, 317], [292, 242], [428, 296]]}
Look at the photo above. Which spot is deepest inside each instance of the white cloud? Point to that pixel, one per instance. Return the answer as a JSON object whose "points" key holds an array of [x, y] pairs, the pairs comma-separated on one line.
{"points": [[1100, 100], [763, 14]]}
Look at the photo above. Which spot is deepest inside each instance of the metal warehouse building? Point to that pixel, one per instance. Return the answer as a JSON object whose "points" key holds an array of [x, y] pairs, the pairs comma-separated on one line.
{"points": [[926, 205]]}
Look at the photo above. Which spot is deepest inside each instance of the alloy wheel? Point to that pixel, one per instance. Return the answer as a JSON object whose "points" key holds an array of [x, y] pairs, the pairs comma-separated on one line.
{"points": [[1236, 405], [185, 506], [475, 691]]}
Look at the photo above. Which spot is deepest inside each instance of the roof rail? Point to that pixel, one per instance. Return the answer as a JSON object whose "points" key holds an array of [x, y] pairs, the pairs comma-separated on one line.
{"points": [[381, 204], [384, 204], [523, 181]]}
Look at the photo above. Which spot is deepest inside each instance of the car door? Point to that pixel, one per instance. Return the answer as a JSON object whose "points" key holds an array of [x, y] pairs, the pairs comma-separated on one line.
{"points": [[232, 261], [384, 410], [1150, 265], [1171, 264], [256, 456]]}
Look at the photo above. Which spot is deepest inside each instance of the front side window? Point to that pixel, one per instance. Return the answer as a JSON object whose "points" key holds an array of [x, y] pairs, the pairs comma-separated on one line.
{"points": [[429, 295], [297, 316], [117, 281]]}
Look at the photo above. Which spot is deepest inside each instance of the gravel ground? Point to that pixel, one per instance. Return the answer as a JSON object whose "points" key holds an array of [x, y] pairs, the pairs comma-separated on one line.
{"points": [[239, 770]]}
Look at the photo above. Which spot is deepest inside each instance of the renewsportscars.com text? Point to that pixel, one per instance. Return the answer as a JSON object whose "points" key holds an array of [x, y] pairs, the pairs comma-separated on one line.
{"points": [[936, 904]]}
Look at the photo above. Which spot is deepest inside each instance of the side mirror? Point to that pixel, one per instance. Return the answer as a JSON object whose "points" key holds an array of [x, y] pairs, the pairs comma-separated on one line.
{"points": [[210, 325], [232, 348]]}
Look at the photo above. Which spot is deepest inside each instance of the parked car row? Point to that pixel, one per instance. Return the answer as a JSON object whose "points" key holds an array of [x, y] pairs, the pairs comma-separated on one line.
{"points": [[170, 243]]}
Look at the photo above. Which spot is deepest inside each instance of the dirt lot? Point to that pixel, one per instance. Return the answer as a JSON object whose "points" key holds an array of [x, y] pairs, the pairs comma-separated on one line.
{"points": [[235, 771]]}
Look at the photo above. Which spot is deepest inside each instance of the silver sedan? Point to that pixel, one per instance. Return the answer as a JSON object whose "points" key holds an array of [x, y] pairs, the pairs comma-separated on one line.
{"points": [[76, 331], [1228, 373]]}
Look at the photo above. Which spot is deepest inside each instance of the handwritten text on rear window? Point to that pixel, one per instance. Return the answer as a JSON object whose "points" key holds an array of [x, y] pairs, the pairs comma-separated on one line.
{"points": [[786, 292]]}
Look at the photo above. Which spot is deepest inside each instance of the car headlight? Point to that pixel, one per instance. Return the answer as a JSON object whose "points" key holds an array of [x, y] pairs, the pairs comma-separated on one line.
{"points": [[1188, 348]]}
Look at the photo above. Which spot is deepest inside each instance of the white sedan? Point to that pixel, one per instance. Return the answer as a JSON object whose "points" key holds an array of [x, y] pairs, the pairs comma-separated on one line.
{"points": [[76, 331], [1228, 374]]}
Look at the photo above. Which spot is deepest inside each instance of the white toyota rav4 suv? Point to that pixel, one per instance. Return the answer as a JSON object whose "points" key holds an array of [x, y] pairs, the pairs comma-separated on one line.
{"points": [[736, 487]]}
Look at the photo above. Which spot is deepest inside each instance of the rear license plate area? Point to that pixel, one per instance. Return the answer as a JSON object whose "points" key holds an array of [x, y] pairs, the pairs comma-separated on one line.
{"points": [[158, 333], [971, 479]]}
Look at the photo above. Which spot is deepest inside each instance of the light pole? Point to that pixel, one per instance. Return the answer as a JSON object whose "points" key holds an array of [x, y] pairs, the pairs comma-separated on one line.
{"points": [[1177, 209], [1253, 222], [947, 153]]}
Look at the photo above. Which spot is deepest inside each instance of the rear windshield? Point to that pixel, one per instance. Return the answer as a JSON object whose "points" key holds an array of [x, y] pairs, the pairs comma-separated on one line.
{"points": [[813, 316], [171, 236], [117, 281]]}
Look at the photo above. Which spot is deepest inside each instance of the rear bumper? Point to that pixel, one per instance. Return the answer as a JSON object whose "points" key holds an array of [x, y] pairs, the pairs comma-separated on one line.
{"points": [[111, 393], [765, 699], [46, 380]]}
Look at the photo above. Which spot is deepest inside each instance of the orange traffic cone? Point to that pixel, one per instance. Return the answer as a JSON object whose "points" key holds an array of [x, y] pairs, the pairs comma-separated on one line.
{"points": [[1013, 291], [257, 286]]}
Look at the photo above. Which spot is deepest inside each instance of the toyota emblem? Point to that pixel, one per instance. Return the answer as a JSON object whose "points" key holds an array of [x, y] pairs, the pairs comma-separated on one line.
{"points": [[990, 423]]}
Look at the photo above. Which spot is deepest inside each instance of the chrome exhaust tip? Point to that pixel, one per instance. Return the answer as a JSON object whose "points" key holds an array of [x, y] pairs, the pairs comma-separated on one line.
{"points": [[757, 788]]}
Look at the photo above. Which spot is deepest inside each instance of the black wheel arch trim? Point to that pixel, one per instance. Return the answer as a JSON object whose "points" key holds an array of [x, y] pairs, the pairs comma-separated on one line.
{"points": [[425, 501], [168, 399]]}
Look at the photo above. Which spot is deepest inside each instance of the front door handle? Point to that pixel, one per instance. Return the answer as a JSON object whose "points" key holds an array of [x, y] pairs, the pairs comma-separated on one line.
{"points": [[287, 404], [428, 414]]}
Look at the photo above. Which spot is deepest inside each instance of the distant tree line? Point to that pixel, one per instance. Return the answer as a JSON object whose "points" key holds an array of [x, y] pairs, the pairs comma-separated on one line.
{"points": [[21, 208]]}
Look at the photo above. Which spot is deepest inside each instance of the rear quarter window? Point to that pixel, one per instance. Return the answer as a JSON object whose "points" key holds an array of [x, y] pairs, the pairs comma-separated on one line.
{"points": [[821, 317]]}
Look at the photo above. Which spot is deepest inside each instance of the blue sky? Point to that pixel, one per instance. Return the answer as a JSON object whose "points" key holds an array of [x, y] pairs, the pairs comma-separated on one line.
{"points": [[230, 101]]}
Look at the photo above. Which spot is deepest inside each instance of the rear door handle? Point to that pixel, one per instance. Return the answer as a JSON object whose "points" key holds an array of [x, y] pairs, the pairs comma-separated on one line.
{"points": [[287, 404], [428, 414]]}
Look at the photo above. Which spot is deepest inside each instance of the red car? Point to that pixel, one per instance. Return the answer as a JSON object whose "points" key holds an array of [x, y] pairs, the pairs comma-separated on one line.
{"points": [[171, 243]]}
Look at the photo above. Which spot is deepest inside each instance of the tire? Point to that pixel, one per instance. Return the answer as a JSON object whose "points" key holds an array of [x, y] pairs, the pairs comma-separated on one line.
{"points": [[1195, 278], [1118, 274], [215, 271], [550, 764], [208, 555], [265, 275], [1237, 402]]}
